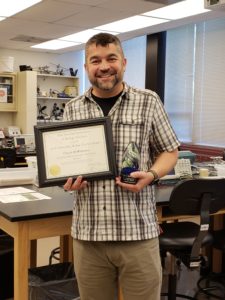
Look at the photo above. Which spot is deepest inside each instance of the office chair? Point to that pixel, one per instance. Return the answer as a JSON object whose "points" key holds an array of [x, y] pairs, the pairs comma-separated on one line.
{"points": [[55, 253], [184, 240], [213, 284]]}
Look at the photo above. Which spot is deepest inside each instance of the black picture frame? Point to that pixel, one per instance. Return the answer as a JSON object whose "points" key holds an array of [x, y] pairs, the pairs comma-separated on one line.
{"points": [[73, 148]]}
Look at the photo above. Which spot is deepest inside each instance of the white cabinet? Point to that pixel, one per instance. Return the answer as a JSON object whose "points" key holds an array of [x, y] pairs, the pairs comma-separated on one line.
{"points": [[53, 91], [26, 116], [8, 92], [39, 95]]}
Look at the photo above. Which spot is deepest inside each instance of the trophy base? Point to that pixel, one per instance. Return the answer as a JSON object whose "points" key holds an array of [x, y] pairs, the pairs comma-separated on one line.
{"points": [[127, 179]]}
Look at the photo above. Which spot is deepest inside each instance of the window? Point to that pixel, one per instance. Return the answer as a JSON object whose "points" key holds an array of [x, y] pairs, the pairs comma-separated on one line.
{"points": [[195, 82]]}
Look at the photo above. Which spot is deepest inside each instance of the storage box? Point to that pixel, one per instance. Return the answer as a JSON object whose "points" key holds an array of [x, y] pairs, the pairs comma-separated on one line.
{"points": [[6, 63], [71, 91]]}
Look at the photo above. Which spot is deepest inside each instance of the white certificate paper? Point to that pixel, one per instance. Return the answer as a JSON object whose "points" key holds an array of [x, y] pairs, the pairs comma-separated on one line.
{"points": [[75, 151]]}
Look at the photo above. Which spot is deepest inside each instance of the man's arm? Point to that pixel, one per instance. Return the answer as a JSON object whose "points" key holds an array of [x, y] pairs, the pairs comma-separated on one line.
{"points": [[162, 166]]}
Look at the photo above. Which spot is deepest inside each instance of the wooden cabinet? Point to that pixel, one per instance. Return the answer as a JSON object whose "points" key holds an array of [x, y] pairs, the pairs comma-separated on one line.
{"points": [[8, 101]]}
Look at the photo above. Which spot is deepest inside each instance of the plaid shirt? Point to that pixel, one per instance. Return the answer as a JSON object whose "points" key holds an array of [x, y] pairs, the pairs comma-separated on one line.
{"points": [[103, 211]]}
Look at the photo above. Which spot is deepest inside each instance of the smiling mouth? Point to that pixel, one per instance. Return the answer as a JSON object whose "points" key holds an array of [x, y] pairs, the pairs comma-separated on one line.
{"points": [[107, 75]]}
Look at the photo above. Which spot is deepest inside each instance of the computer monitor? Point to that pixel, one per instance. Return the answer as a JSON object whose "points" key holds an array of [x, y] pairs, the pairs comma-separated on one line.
{"points": [[25, 142]]}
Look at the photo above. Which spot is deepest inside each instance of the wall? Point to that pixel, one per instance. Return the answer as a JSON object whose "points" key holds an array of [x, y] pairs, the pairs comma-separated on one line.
{"points": [[37, 59]]}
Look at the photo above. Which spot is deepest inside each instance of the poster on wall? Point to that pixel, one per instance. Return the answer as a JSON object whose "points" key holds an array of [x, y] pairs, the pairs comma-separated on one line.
{"points": [[3, 95]]}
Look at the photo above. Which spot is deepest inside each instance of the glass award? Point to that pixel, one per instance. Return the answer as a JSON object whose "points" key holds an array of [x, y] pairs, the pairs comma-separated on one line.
{"points": [[130, 163]]}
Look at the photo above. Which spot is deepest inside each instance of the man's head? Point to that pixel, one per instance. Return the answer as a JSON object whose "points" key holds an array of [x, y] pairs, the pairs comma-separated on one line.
{"points": [[103, 40], [105, 64]]}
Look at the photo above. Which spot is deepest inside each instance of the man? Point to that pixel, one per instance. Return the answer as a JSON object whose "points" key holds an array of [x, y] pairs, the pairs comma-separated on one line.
{"points": [[114, 229]]}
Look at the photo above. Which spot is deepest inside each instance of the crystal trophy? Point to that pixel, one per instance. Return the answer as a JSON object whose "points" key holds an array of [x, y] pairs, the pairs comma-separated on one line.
{"points": [[130, 163]]}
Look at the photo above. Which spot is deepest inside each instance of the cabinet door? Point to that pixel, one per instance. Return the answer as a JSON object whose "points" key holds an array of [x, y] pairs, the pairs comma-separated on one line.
{"points": [[7, 92]]}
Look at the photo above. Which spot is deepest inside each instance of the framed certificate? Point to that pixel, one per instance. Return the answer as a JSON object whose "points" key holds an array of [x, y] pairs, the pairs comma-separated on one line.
{"points": [[69, 149]]}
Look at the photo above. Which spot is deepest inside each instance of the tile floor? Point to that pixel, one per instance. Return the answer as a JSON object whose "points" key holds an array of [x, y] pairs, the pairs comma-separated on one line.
{"points": [[186, 279], [187, 285]]}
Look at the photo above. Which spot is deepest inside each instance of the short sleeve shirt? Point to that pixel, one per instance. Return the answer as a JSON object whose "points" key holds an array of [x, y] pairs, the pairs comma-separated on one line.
{"points": [[103, 211]]}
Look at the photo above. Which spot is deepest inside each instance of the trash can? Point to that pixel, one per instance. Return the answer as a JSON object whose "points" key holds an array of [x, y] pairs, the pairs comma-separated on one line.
{"points": [[53, 282], [6, 264]]}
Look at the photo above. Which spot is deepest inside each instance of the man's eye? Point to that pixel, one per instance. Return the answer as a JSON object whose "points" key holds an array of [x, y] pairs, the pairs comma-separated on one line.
{"points": [[112, 59], [95, 62]]}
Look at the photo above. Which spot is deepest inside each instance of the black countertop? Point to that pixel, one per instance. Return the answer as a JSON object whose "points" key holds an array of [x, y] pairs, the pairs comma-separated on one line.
{"points": [[60, 204]]}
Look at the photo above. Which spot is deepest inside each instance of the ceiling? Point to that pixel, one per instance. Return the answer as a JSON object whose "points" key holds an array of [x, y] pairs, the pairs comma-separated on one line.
{"points": [[51, 19]]}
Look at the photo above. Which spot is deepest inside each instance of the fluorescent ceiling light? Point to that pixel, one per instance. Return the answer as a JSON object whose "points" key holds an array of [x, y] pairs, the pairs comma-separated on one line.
{"points": [[82, 36], [12, 7], [132, 23], [55, 45], [179, 10], [171, 12]]}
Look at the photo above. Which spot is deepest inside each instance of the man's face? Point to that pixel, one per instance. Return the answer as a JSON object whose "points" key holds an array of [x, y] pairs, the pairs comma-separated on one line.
{"points": [[105, 67]]}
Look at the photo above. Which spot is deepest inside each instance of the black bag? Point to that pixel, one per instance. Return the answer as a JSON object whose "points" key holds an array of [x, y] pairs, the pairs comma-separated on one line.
{"points": [[53, 282]]}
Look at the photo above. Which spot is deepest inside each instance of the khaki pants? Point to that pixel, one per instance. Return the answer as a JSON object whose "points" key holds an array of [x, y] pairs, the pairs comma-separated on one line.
{"points": [[100, 265]]}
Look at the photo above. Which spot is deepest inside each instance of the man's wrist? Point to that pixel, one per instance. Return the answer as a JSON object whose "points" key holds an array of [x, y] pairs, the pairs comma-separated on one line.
{"points": [[155, 176]]}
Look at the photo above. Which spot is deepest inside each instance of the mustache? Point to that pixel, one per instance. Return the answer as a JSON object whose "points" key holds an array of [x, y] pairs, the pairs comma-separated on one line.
{"points": [[100, 73]]}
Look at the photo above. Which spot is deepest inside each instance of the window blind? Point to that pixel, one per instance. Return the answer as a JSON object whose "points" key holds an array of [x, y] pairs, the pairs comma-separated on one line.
{"points": [[195, 82]]}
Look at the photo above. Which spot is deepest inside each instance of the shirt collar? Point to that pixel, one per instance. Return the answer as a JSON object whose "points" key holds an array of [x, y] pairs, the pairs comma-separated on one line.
{"points": [[124, 95]]}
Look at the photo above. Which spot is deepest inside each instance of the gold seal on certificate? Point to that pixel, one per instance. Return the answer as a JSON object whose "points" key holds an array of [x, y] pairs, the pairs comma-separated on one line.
{"points": [[69, 149], [54, 170]]}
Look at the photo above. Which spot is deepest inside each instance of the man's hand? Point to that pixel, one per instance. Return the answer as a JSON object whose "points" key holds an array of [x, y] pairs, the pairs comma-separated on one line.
{"points": [[77, 185], [144, 179]]}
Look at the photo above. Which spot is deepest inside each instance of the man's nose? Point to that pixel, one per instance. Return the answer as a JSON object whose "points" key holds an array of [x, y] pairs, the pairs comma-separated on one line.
{"points": [[104, 65]]}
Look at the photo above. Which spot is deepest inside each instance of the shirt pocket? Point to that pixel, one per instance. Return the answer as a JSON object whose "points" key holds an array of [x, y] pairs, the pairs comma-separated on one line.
{"points": [[130, 130]]}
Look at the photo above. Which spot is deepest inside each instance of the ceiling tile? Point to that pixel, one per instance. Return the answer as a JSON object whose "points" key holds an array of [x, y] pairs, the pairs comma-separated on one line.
{"points": [[33, 28], [50, 11], [134, 6], [86, 2], [94, 16]]}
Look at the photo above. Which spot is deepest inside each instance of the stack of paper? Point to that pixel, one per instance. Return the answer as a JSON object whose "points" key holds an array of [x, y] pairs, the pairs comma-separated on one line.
{"points": [[20, 194]]}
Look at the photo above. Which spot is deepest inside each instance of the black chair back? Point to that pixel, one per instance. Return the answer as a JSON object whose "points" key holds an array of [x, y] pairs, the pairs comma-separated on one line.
{"points": [[187, 196], [201, 197]]}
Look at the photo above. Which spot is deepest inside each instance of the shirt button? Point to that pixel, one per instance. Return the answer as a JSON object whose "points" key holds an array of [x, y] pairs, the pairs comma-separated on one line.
{"points": [[104, 208], [103, 186]]}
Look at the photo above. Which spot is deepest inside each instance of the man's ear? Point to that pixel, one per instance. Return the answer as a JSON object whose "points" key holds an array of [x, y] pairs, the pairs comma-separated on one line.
{"points": [[124, 63]]}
